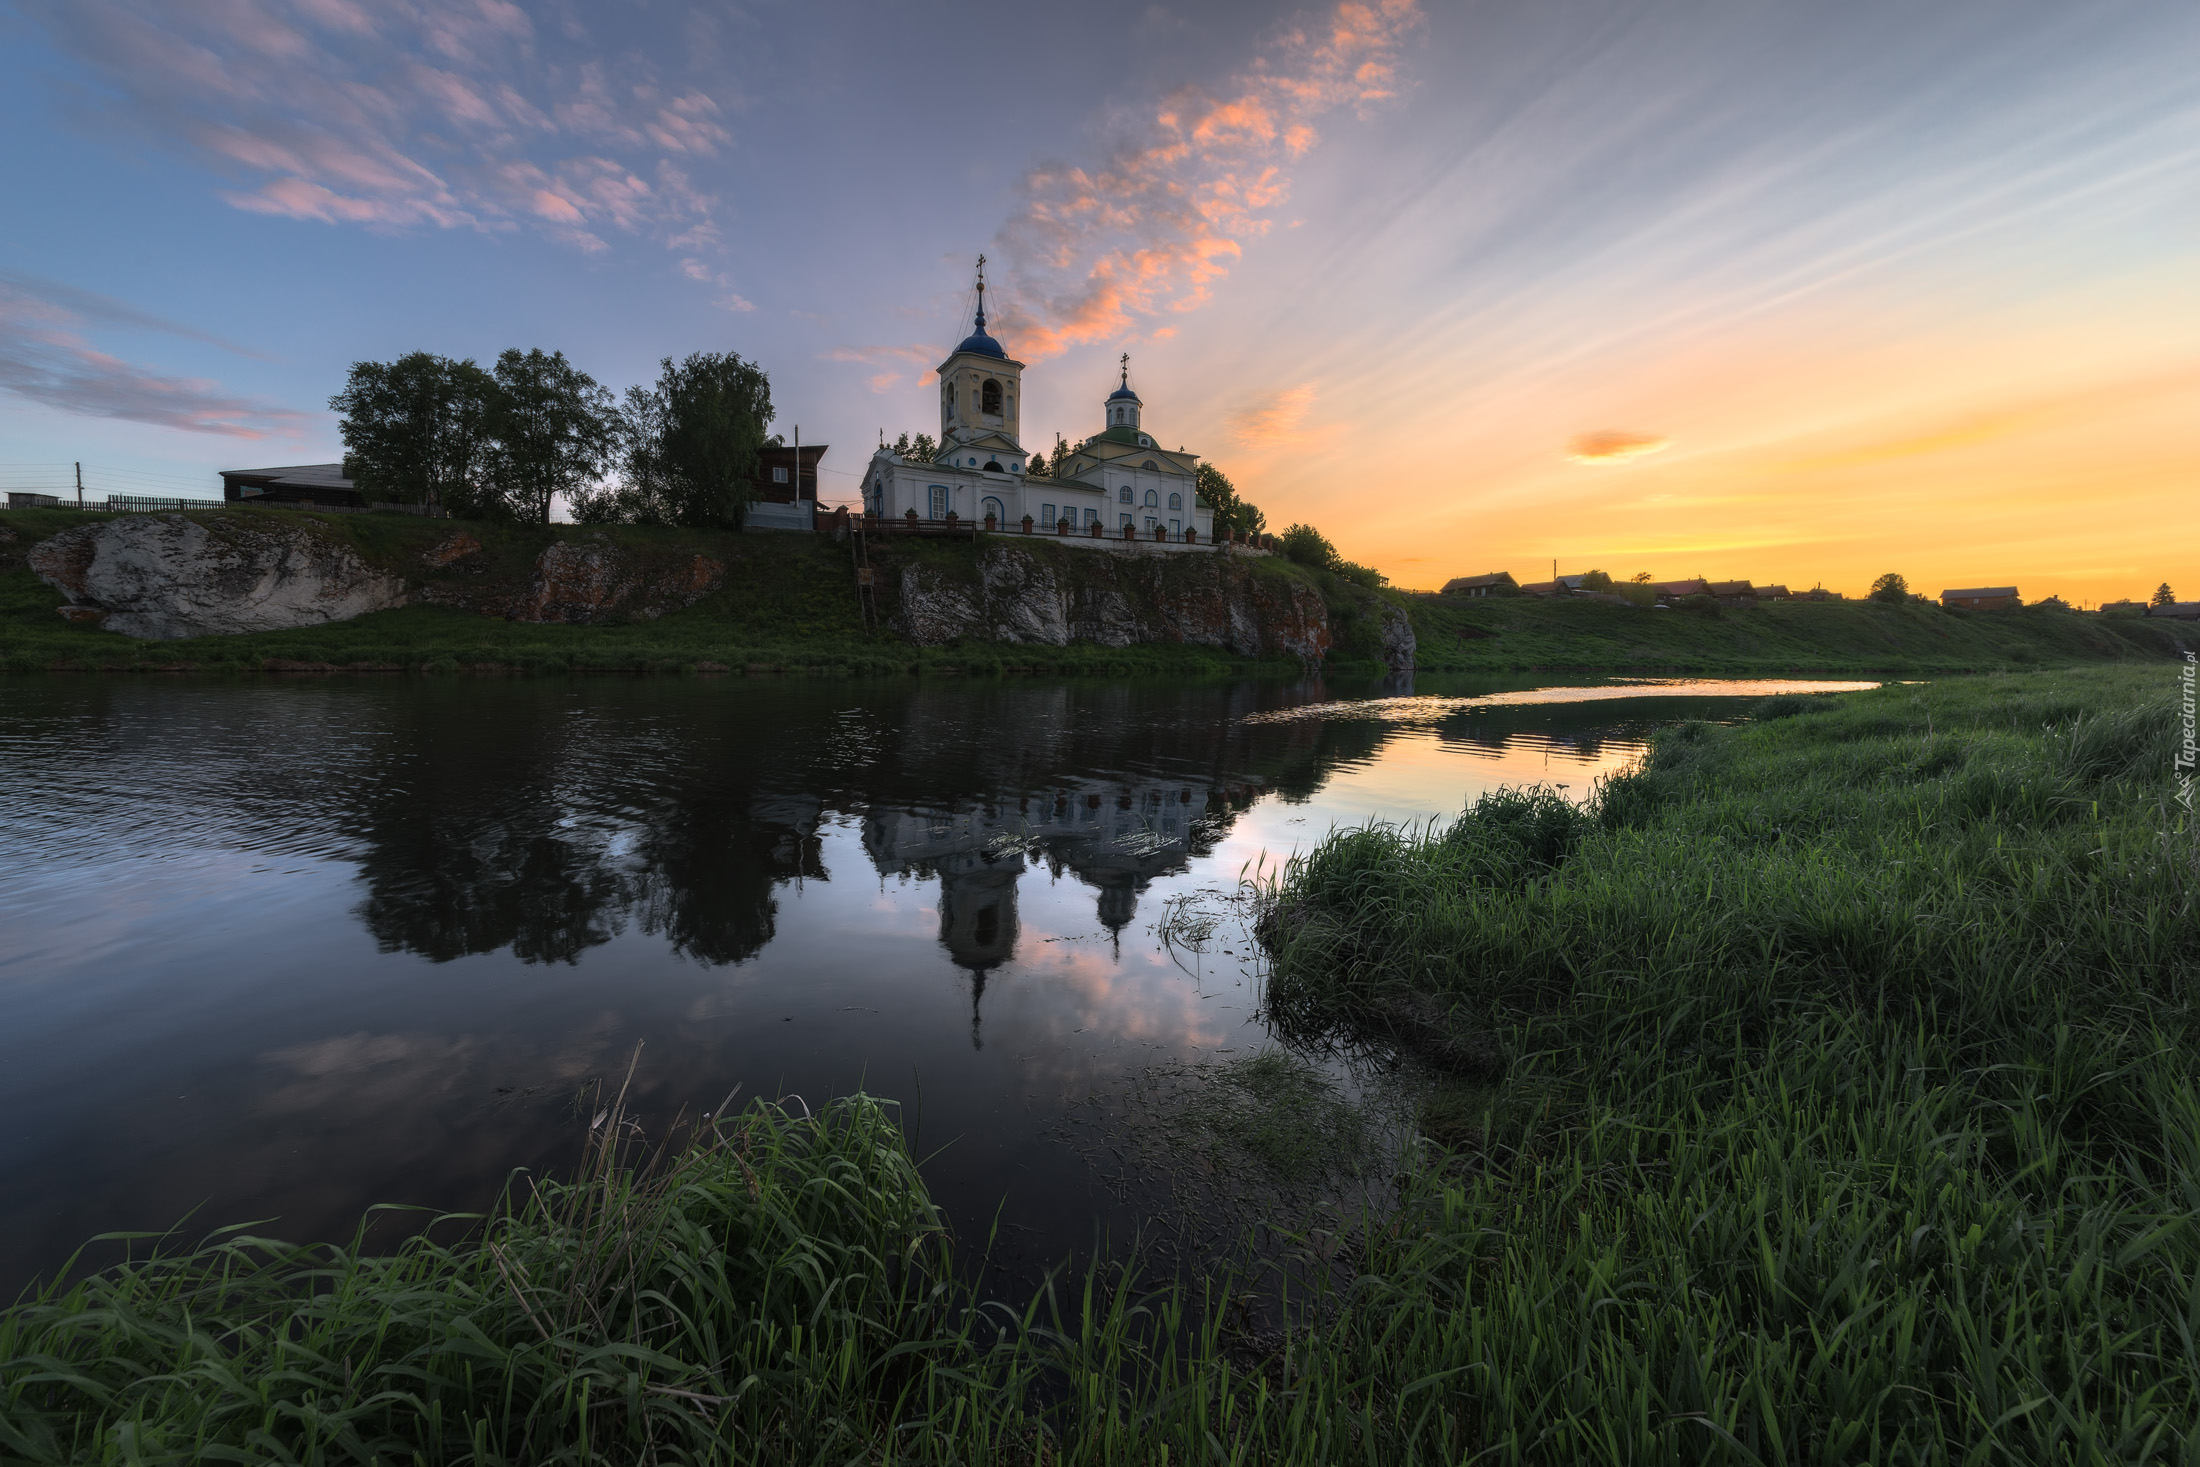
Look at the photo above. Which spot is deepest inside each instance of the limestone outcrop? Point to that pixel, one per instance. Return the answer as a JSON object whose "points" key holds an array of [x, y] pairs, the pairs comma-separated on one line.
{"points": [[1053, 597], [165, 576]]}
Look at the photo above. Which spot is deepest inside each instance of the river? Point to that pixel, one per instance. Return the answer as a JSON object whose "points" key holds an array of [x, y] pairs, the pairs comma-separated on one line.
{"points": [[279, 950]]}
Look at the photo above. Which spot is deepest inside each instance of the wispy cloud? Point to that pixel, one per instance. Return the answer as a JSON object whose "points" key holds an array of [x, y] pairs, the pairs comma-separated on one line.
{"points": [[1279, 420], [408, 114], [45, 358], [1104, 250], [1613, 446]]}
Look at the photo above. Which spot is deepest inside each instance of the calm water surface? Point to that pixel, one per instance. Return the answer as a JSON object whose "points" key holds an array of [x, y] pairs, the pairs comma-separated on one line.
{"points": [[284, 950]]}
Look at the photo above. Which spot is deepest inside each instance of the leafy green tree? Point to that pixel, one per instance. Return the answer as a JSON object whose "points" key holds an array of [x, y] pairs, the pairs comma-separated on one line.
{"points": [[416, 430], [645, 493], [1596, 580], [1231, 512], [554, 428], [2163, 596], [1037, 468], [1640, 578], [714, 408], [1309, 546], [924, 449], [1891, 589]]}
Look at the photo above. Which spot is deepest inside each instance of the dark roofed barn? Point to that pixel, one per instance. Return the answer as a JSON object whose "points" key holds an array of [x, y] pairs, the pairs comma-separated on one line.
{"points": [[1980, 598]]}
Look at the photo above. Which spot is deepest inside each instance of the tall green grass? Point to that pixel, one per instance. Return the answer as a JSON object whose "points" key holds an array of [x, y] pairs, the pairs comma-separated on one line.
{"points": [[1849, 1106]]}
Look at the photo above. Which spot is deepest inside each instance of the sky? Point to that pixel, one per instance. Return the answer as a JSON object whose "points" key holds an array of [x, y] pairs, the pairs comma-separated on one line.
{"points": [[1803, 292]]}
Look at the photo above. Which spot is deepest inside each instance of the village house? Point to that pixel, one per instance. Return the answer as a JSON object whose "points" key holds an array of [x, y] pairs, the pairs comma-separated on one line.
{"points": [[325, 485], [1118, 484], [2179, 610], [1981, 598], [1497, 583]]}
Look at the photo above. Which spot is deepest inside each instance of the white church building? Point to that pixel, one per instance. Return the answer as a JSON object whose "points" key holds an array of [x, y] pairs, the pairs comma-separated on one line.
{"points": [[1116, 479]]}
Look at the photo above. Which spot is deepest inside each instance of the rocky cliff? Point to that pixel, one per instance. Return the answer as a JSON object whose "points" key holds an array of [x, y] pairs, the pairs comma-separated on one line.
{"points": [[1053, 596], [168, 576], [174, 575], [163, 576]]}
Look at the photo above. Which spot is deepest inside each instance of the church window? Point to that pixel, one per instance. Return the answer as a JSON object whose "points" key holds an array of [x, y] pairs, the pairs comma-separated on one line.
{"points": [[1153, 499], [1176, 529], [1126, 516], [1125, 494], [1046, 514], [1176, 501], [939, 501], [1092, 517], [1150, 464], [989, 397]]}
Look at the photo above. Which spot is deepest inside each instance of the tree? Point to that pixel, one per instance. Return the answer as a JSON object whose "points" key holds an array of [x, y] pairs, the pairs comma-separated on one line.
{"points": [[2163, 596], [1891, 589], [645, 493], [554, 429], [1309, 546], [1640, 578], [923, 449], [1231, 512], [416, 430], [1596, 580], [1037, 468], [715, 406]]}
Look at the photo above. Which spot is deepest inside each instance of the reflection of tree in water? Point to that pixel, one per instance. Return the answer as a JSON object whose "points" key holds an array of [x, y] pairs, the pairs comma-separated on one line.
{"points": [[548, 820], [548, 835]]}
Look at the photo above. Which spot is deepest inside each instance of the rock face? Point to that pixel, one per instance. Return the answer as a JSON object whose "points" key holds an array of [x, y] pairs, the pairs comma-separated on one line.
{"points": [[1399, 646], [164, 576], [594, 581], [1022, 596]]}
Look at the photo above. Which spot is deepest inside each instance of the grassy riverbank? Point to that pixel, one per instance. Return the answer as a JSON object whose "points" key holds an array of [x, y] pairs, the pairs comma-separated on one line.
{"points": [[786, 604], [1824, 1092], [1525, 633], [1842, 1084]]}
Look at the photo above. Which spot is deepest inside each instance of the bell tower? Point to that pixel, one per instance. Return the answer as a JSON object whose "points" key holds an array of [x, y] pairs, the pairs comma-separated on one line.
{"points": [[981, 388], [1122, 405]]}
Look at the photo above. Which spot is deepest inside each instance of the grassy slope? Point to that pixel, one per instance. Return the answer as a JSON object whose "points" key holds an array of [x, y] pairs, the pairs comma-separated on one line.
{"points": [[1848, 1106], [787, 604], [1847, 1113], [1529, 633]]}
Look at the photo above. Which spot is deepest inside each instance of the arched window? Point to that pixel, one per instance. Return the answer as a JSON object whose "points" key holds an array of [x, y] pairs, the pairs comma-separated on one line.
{"points": [[947, 397], [1125, 495], [1118, 418], [1153, 499], [1150, 464], [989, 397], [994, 508], [1176, 501]]}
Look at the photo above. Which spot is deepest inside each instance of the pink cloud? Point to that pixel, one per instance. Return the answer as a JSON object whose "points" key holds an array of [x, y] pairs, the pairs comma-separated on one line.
{"points": [[44, 359], [1099, 250], [406, 115]]}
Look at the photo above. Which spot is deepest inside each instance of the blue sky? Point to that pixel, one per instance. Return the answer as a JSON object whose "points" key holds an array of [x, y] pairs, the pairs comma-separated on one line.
{"points": [[1792, 291]]}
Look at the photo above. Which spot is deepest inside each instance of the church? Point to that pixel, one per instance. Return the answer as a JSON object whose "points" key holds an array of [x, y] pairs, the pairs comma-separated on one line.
{"points": [[1116, 480]]}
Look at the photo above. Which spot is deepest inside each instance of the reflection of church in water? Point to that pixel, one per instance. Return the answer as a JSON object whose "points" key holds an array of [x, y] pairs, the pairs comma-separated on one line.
{"points": [[1116, 836]]}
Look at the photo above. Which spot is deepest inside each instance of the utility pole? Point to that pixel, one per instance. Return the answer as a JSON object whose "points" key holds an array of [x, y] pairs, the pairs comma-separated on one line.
{"points": [[798, 464], [80, 485]]}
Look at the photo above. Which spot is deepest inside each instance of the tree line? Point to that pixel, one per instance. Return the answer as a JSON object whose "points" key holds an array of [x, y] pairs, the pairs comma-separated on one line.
{"points": [[502, 442]]}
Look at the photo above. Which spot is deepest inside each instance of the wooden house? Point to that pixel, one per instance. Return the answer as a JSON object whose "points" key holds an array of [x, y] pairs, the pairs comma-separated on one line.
{"points": [[1497, 583], [1981, 598]]}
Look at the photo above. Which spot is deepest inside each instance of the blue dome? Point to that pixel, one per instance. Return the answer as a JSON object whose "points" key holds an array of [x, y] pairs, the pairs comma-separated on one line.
{"points": [[982, 344], [1123, 394]]}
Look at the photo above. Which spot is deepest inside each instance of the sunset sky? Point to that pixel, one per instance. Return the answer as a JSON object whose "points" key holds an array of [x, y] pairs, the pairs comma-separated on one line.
{"points": [[1801, 292]]}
